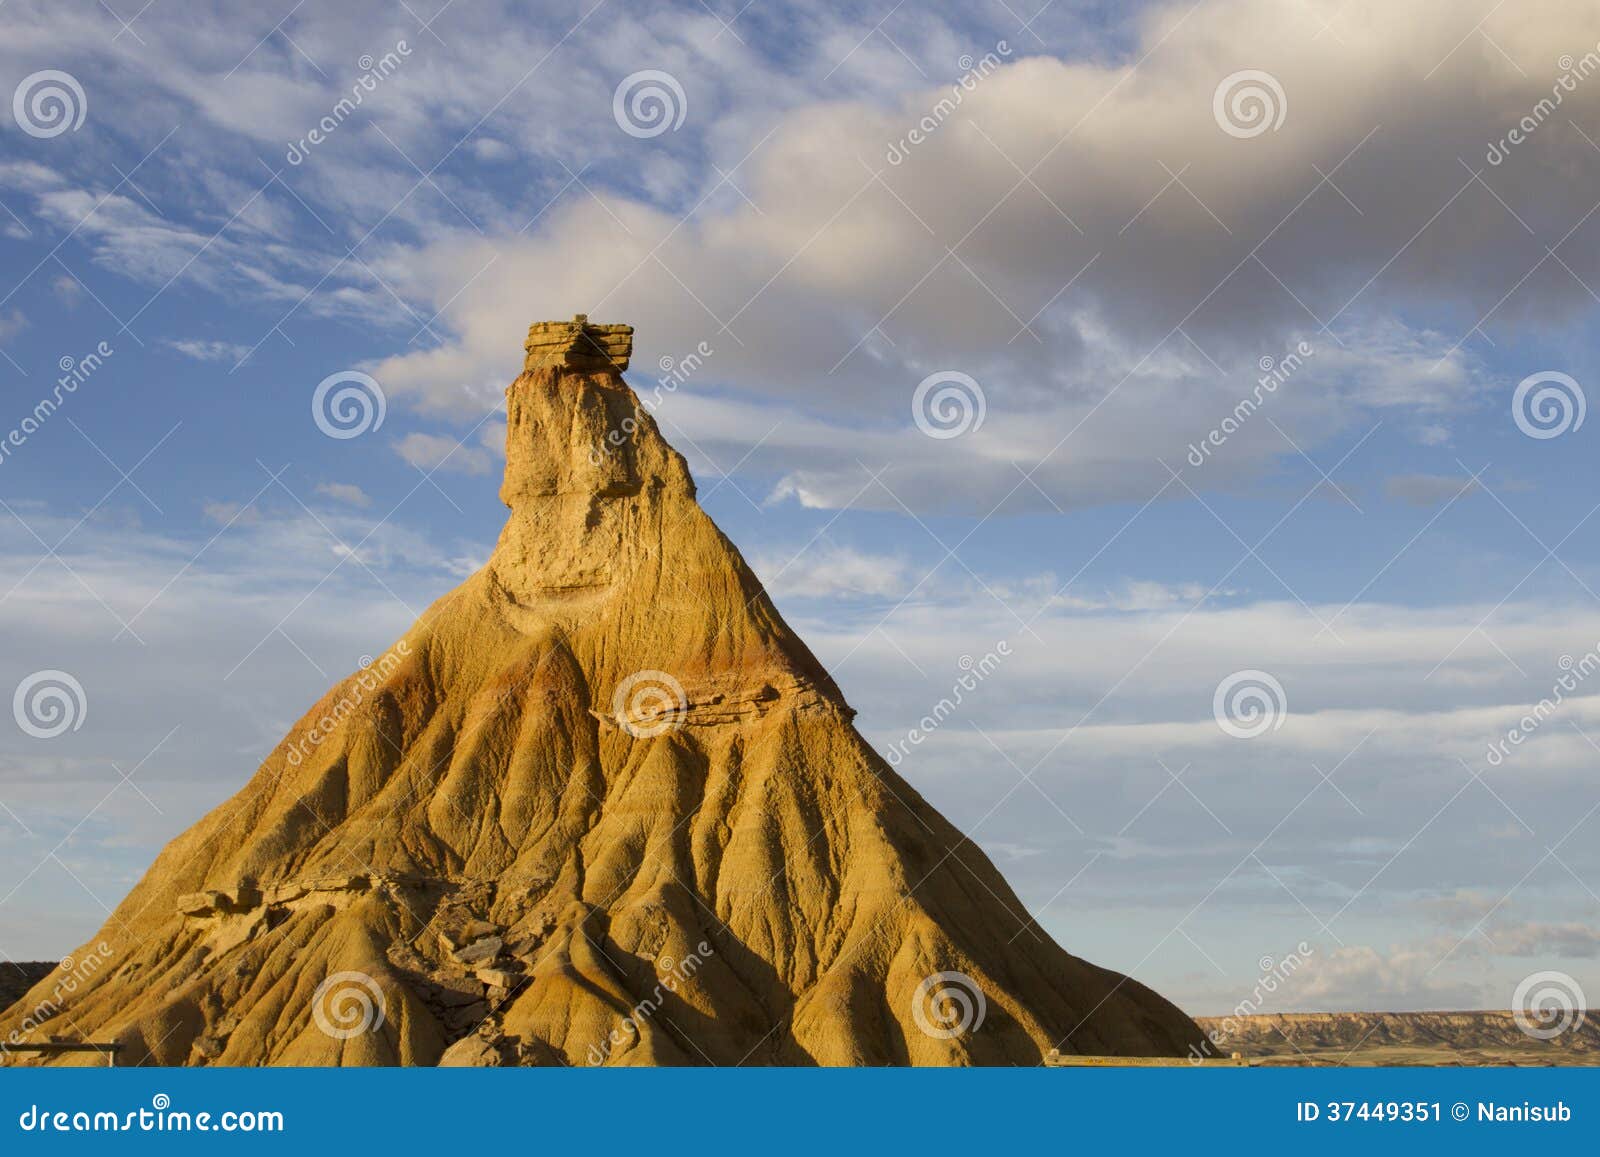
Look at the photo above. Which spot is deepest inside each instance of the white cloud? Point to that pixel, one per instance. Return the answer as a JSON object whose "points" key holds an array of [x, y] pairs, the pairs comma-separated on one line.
{"points": [[209, 351], [1140, 596], [489, 149], [346, 492], [1401, 978], [840, 289], [828, 571], [437, 452], [1563, 940], [227, 513], [836, 291], [67, 289]]}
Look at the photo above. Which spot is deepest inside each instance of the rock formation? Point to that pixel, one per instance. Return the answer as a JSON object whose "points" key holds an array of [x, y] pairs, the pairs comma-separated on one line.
{"points": [[599, 805]]}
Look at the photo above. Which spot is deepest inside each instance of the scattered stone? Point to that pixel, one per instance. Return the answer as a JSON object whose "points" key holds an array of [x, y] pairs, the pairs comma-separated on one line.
{"points": [[471, 1052], [500, 978], [484, 951]]}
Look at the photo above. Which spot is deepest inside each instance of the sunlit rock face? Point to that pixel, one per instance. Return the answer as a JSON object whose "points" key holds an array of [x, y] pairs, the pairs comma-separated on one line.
{"points": [[600, 805]]}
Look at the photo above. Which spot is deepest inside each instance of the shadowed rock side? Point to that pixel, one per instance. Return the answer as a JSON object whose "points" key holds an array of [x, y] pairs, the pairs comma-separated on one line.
{"points": [[16, 978], [503, 844]]}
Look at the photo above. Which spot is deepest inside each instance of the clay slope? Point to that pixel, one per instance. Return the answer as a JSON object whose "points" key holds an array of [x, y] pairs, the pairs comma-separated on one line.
{"points": [[599, 805]]}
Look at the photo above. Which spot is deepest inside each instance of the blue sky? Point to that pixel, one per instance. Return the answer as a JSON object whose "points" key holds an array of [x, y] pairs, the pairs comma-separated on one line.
{"points": [[1092, 235]]}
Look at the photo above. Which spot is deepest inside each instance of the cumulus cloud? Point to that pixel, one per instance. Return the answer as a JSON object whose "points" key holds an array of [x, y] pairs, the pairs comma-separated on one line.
{"points": [[346, 492], [1562, 940], [1084, 241], [1399, 978], [828, 571], [438, 452], [1077, 233]]}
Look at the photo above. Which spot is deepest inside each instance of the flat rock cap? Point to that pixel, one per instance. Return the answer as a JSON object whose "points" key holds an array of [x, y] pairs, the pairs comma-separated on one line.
{"points": [[578, 345]]}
